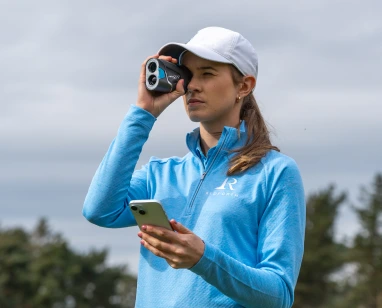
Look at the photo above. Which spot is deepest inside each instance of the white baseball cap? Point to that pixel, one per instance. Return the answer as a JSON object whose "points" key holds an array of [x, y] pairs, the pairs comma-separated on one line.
{"points": [[219, 45]]}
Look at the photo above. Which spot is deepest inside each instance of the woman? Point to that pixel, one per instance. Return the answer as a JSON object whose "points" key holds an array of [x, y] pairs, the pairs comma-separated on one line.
{"points": [[237, 204]]}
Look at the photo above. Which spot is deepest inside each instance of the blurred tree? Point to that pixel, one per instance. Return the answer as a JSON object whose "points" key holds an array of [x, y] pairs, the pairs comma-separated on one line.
{"points": [[323, 256], [15, 286], [41, 270], [366, 291]]}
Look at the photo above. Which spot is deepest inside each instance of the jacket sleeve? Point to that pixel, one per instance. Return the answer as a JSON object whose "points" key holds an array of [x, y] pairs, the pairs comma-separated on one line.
{"points": [[115, 183], [281, 232]]}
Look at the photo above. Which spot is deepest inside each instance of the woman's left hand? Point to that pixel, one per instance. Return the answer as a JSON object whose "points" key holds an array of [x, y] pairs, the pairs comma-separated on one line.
{"points": [[181, 249]]}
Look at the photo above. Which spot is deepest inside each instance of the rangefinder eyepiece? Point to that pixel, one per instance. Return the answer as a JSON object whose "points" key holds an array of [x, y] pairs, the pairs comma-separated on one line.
{"points": [[162, 76]]}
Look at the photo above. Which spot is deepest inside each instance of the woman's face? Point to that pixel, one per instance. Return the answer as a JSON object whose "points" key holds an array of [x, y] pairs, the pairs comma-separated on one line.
{"points": [[211, 96]]}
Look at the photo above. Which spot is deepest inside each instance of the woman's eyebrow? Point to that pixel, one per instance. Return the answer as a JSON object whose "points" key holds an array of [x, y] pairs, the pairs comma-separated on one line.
{"points": [[207, 68]]}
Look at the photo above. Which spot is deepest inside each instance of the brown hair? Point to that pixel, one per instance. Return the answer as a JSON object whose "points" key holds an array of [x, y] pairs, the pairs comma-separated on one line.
{"points": [[258, 142]]}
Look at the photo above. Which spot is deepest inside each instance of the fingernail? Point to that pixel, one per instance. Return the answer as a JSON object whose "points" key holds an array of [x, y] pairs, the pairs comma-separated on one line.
{"points": [[144, 227], [142, 242]]}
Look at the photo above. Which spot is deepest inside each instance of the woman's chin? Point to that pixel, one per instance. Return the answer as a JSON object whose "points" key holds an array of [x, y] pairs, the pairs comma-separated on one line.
{"points": [[195, 117]]}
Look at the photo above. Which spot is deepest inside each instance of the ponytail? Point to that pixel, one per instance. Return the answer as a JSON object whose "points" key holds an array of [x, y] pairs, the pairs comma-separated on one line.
{"points": [[258, 141]]}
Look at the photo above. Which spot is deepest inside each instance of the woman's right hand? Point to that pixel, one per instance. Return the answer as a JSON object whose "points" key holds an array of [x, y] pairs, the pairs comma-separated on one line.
{"points": [[152, 102]]}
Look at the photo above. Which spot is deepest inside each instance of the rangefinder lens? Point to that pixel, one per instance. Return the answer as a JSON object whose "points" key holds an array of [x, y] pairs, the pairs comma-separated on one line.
{"points": [[134, 208], [152, 67], [142, 212], [152, 80]]}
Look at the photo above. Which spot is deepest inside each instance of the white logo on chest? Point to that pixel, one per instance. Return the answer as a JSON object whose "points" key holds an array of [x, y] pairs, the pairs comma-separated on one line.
{"points": [[232, 182]]}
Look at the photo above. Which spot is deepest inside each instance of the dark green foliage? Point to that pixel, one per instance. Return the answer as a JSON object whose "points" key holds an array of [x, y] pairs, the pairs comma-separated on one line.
{"points": [[41, 270], [366, 290], [323, 256]]}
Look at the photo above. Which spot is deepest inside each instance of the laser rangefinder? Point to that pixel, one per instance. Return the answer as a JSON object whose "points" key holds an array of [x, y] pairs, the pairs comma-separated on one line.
{"points": [[162, 76]]}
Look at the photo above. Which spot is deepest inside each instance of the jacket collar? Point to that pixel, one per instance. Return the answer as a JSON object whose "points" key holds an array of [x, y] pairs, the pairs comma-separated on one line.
{"points": [[230, 138]]}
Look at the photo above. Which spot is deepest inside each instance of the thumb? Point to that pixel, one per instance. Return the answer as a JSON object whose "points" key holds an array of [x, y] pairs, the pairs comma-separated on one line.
{"points": [[177, 226], [179, 90]]}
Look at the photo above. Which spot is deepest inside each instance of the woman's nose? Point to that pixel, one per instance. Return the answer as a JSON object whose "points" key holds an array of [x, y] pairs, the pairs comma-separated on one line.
{"points": [[193, 85]]}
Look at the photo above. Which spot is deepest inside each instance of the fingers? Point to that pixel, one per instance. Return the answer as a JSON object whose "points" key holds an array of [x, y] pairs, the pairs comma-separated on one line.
{"points": [[178, 92], [172, 259], [168, 58], [177, 226], [153, 249], [160, 233], [161, 238], [180, 87], [155, 243], [182, 249], [162, 57], [174, 255]]}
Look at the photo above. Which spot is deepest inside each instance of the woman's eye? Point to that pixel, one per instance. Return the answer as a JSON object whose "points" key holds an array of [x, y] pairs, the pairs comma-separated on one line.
{"points": [[207, 73]]}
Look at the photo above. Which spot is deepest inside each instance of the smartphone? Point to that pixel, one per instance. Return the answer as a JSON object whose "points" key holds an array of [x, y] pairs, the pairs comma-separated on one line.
{"points": [[149, 212]]}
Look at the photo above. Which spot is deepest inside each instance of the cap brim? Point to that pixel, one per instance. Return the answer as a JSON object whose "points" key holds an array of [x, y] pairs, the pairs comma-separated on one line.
{"points": [[175, 50]]}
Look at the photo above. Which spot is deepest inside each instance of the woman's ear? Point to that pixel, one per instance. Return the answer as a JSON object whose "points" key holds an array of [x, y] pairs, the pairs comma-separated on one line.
{"points": [[247, 85]]}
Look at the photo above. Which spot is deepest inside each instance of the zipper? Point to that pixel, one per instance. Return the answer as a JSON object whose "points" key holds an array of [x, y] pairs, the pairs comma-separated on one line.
{"points": [[204, 175]]}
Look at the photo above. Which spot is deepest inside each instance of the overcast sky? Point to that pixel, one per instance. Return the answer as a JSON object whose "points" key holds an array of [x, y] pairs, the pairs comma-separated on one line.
{"points": [[69, 70]]}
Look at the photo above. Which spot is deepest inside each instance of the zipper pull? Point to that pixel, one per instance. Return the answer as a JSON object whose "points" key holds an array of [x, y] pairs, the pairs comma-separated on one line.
{"points": [[203, 175]]}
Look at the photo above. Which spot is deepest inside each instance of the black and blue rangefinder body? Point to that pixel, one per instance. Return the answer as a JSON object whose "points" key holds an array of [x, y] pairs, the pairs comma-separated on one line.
{"points": [[162, 76]]}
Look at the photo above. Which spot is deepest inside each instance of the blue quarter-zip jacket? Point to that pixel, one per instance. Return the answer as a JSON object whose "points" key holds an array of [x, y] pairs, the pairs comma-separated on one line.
{"points": [[252, 223]]}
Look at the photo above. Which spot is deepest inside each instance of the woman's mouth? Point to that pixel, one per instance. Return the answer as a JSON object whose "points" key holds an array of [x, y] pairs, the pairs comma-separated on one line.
{"points": [[194, 102]]}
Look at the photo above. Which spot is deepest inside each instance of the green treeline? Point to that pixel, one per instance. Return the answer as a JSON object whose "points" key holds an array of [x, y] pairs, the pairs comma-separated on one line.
{"points": [[39, 269], [342, 275]]}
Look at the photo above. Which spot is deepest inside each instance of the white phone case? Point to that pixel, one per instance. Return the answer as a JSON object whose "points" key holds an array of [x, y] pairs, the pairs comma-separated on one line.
{"points": [[149, 212]]}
